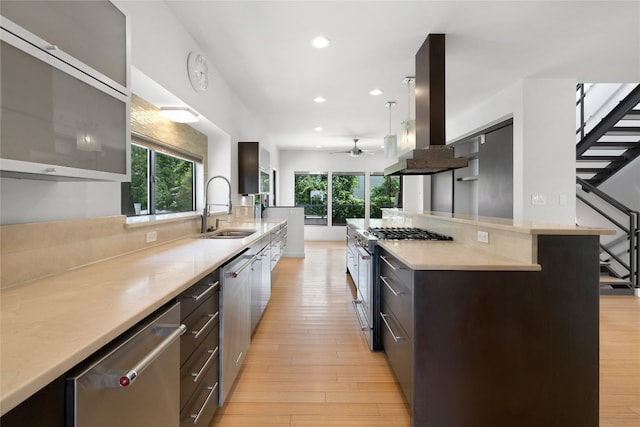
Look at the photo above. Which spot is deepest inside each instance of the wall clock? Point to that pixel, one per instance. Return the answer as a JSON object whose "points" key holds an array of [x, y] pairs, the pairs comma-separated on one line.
{"points": [[198, 71]]}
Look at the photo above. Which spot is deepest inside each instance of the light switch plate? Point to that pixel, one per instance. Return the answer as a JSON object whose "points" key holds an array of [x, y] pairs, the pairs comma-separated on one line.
{"points": [[538, 199]]}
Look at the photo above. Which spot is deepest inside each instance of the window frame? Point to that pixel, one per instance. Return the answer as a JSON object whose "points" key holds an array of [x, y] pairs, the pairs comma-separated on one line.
{"points": [[154, 147]]}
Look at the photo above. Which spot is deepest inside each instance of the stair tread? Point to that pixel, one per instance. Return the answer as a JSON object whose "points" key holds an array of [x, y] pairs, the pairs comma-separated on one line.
{"points": [[615, 280]]}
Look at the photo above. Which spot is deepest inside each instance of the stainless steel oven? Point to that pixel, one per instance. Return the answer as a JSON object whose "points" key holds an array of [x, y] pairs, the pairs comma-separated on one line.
{"points": [[361, 255], [362, 264]]}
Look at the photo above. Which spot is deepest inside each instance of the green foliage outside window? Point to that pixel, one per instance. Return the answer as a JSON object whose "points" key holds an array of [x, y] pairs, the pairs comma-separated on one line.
{"points": [[345, 200], [385, 191], [174, 184], [311, 193], [140, 176]]}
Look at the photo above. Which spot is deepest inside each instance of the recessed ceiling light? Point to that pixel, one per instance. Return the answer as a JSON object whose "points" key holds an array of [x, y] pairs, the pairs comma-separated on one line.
{"points": [[318, 146], [375, 92], [318, 129], [320, 42], [319, 99]]}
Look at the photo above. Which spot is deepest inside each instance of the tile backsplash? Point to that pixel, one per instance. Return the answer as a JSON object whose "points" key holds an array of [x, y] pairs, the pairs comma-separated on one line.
{"points": [[39, 249]]}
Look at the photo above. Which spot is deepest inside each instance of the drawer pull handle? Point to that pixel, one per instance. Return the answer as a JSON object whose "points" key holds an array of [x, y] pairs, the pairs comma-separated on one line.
{"points": [[238, 359], [393, 291], [211, 287], [395, 337], [212, 317], [212, 355], [212, 390], [393, 267]]}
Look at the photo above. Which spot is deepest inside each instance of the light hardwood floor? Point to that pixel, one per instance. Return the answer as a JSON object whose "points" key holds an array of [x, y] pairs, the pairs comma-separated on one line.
{"points": [[309, 366]]}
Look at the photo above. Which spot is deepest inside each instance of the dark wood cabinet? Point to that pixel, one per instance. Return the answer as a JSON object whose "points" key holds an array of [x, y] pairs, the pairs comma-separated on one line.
{"points": [[253, 168], [43, 409], [499, 348], [200, 351]]}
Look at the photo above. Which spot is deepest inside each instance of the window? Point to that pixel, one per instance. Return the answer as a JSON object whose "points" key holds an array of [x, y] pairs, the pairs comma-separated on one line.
{"points": [[311, 193], [386, 192], [161, 182], [347, 197], [350, 195]]}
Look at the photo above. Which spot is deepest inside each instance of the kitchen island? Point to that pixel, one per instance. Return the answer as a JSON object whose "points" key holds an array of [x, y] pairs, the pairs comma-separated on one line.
{"points": [[498, 333], [50, 325]]}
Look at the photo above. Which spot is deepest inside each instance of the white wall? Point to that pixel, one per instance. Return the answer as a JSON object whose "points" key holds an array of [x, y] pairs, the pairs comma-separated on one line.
{"points": [[320, 161], [159, 49], [543, 112]]}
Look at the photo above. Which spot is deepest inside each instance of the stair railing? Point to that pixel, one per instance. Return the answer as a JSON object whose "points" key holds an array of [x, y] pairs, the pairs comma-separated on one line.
{"points": [[632, 232], [580, 105]]}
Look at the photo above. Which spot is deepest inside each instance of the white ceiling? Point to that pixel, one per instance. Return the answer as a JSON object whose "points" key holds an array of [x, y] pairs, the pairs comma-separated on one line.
{"points": [[263, 50]]}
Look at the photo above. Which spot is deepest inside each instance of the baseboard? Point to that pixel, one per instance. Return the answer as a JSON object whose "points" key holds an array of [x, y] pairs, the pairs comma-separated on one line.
{"points": [[293, 255]]}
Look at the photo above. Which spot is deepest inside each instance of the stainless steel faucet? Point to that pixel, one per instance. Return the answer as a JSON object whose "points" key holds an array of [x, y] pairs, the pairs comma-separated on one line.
{"points": [[205, 212]]}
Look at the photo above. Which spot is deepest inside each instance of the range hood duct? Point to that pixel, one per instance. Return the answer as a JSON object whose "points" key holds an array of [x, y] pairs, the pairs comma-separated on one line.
{"points": [[432, 155]]}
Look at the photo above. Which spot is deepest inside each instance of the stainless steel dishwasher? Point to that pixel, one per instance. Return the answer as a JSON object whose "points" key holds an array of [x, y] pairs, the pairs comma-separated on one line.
{"points": [[235, 318], [134, 382]]}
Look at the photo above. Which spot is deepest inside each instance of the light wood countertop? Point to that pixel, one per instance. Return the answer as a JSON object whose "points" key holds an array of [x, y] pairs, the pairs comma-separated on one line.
{"points": [[52, 324], [446, 255]]}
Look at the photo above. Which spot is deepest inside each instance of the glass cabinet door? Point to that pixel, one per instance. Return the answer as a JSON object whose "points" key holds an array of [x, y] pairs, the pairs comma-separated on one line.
{"points": [[91, 32], [52, 117]]}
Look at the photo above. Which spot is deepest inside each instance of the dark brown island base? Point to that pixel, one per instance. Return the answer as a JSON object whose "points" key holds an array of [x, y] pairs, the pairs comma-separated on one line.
{"points": [[480, 344]]}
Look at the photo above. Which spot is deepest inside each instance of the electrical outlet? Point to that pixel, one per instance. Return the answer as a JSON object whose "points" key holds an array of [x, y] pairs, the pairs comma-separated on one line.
{"points": [[483, 236], [152, 236]]}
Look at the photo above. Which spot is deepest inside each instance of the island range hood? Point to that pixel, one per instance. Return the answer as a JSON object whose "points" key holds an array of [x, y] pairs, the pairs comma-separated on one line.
{"points": [[431, 155]]}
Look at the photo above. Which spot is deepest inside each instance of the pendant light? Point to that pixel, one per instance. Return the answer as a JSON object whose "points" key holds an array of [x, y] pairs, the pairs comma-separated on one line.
{"points": [[408, 139], [391, 140]]}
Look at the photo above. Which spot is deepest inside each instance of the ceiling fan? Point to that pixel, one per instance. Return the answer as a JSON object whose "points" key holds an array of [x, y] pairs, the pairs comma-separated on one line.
{"points": [[354, 151]]}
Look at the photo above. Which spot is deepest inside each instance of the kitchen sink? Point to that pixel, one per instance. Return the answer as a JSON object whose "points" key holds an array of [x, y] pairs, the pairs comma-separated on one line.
{"points": [[230, 234]]}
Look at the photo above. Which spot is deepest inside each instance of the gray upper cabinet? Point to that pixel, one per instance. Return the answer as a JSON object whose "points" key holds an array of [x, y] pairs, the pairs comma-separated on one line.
{"points": [[83, 33], [65, 91]]}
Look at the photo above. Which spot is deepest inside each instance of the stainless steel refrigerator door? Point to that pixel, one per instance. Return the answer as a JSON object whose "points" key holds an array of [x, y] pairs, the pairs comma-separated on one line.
{"points": [[134, 384]]}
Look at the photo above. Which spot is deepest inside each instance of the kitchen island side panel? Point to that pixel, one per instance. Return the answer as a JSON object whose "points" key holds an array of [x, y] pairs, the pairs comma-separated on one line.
{"points": [[510, 348]]}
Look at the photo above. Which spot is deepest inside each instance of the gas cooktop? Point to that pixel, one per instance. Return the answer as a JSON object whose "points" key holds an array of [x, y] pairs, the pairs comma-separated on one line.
{"points": [[405, 233]]}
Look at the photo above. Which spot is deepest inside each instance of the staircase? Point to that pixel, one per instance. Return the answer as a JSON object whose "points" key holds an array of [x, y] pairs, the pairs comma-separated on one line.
{"points": [[608, 137]]}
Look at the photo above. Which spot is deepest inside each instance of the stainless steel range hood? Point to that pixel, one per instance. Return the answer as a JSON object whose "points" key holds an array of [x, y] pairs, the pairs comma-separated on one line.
{"points": [[431, 155]]}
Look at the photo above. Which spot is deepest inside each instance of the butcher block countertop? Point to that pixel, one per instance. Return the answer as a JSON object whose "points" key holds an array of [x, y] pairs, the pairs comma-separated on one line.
{"points": [[52, 324]]}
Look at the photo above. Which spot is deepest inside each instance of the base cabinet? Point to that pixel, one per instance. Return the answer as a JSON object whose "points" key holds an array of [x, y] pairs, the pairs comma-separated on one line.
{"points": [[200, 352], [498, 348]]}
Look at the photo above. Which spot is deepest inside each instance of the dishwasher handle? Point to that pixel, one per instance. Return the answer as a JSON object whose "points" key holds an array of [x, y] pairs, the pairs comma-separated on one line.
{"points": [[237, 272], [126, 378]]}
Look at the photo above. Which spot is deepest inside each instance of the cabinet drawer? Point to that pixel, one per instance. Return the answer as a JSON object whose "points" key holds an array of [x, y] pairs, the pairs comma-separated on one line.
{"points": [[399, 350], [390, 266], [398, 297], [197, 367], [198, 293], [199, 323], [204, 402]]}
